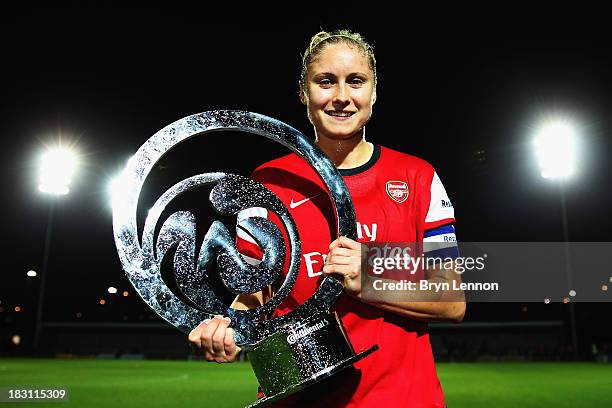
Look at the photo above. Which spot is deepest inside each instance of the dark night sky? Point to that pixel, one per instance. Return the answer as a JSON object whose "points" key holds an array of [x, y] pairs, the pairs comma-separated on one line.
{"points": [[106, 78]]}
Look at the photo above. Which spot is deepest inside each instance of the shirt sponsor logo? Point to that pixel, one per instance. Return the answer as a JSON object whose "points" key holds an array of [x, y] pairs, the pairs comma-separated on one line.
{"points": [[316, 260], [365, 230], [446, 204], [306, 331], [397, 190], [312, 259]]}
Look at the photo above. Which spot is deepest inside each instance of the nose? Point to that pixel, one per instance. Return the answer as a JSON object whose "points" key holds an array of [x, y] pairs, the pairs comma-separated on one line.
{"points": [[341, 97]]}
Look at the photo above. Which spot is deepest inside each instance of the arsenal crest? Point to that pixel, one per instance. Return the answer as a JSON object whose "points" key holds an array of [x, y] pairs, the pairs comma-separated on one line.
{"points": [[397, 190]]}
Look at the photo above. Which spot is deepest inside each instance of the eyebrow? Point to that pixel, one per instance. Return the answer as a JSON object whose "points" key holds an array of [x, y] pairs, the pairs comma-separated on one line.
{"points": [[334, 75]]}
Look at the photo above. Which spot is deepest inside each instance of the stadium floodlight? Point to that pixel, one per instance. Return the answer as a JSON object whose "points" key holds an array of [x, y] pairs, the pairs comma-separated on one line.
{"points": [[556, 148], [112, 290], [32, 274], [57, 166]]}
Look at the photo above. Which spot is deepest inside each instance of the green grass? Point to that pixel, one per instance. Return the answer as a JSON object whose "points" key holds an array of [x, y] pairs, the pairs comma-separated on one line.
{"points": [[150, 384], [147, 384], [526, 385]]}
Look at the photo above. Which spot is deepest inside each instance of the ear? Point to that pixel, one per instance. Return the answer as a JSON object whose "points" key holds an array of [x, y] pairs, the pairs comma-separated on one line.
{"points": [[303, 97], [374, 97]]}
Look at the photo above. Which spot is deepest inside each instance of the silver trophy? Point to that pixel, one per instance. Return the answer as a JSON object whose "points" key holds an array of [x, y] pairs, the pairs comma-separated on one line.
{"points": [[287, 353]]}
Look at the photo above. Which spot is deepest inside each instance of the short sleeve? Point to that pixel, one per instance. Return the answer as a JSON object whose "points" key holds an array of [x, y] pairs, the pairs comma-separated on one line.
{"points": [[439, 238], [441, 211]]}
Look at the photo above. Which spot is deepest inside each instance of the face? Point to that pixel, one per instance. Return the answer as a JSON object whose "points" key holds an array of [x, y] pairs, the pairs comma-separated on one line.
{"points": [[339, 92]]}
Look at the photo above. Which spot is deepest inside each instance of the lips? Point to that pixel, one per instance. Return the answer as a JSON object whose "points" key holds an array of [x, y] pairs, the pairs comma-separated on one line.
{"points": [[340, 114]]}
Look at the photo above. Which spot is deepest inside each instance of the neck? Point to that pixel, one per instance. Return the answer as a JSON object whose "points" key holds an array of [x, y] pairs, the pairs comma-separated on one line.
{"points": [[346, 153]]}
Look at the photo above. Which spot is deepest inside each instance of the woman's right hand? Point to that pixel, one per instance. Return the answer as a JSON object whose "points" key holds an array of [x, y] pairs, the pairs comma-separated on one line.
{"points": [[215, 340]]}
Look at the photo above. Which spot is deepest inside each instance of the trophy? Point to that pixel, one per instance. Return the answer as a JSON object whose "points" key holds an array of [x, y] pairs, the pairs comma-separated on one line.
{"points": [[287, 353]]}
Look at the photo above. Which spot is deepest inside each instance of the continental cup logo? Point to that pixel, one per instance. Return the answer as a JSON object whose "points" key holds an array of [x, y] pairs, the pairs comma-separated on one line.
{"points": [[301, 333], [397, 190]]}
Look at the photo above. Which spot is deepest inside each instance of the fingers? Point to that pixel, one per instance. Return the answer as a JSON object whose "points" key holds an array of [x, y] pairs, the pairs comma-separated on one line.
{"points": [[215, 339], [209, 357], [229, 344], [344, 258], [344, 270], [218, 338], [340, 256], [344, 242], [208, 332], [195, 336]]}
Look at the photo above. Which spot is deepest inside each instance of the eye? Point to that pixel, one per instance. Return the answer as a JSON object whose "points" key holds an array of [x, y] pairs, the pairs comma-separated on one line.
{"points": [[356, 81], [325, 82]]}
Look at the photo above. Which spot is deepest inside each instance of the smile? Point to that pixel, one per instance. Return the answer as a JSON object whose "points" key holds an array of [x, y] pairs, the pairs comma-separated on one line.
{"points": [[341, 115]]}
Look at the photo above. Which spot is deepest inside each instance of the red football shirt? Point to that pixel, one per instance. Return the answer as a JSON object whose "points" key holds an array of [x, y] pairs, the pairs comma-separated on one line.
{"points": [[397, 198]]}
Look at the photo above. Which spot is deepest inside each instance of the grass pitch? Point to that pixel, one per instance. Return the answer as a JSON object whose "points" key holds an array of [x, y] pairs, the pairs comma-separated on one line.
{"points": [[151, 384]]}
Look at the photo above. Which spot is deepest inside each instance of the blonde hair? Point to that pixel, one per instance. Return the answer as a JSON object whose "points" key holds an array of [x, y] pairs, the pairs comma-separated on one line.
{"points": [[322, 38]]}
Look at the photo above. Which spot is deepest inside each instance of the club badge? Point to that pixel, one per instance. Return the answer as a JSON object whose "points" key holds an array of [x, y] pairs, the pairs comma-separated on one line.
{"points": [[397, 190]]}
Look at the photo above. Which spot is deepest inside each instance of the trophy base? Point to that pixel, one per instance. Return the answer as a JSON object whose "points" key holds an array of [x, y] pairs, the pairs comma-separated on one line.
{"points": [[313, 380], [301, 355]]}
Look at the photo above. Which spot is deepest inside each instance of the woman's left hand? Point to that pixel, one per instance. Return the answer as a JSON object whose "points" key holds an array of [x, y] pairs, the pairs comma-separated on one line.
{"points": [[344, 258]]}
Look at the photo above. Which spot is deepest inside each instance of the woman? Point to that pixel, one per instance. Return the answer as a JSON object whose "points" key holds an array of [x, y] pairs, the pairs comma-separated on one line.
{"points": [[397, 198]]}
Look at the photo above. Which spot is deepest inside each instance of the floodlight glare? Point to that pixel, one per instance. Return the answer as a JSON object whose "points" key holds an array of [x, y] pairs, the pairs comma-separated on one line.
{"points": [[117, 189], [112, 290], [555, 145], [32, 274], [57, 167], [113, 188]]}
